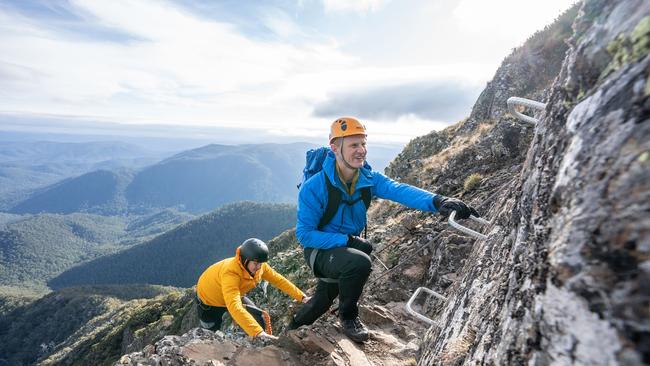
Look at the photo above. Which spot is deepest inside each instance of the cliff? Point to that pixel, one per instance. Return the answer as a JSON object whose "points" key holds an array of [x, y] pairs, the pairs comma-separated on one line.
{"points": [[563, 277]]}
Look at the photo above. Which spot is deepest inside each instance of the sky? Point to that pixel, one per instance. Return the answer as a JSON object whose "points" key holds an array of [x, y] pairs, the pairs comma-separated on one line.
{"points": [[277, 69]]}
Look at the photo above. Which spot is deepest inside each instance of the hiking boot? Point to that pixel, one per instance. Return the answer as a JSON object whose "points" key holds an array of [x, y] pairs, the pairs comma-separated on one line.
{"points": [[293, 325], [355, 329]]}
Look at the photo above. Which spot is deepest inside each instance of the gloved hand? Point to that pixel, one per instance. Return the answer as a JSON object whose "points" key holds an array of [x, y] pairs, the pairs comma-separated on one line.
{"points": [[265, 335], [445, 205], [359, 244]]}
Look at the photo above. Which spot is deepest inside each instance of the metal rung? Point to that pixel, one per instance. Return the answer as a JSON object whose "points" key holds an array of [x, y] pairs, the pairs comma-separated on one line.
{"points": [[467, 230], [513, 101], [380, 262], [415, 313]]}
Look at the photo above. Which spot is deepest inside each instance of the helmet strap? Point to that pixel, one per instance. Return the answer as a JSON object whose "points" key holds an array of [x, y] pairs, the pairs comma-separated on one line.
{"points": [[246, 261], [343, 157]]}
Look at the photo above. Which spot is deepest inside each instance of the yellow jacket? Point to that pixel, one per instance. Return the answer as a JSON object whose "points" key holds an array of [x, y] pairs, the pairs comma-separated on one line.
{"points": [[225, 282]]}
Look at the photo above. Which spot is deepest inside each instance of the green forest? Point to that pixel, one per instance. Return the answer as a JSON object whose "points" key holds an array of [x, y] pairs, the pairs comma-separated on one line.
{"points": [[177, 257], [35, 248], [100, 315]]}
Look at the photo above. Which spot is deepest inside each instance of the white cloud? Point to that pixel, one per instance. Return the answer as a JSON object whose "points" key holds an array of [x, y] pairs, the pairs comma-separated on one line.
{"points": [[507, 19], [403, 130], [280, 23], [178, 68], [318, 85], [183, 69], [359, 6]]}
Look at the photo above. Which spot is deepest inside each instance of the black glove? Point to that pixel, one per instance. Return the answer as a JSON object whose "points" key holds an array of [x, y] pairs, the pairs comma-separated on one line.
{"points": [[359, 244], [445, 205]]}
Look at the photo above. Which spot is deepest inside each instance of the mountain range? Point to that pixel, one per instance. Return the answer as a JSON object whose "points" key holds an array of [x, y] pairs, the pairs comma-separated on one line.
{"points": [[202, 179], [27, 167], [197, 180]]}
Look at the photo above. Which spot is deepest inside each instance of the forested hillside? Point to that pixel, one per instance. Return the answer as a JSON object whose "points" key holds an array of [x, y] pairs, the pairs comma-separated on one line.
{"points": [[99, 192], [28, 166], [202, 179], [33, 249], [179, 256], [38, 328]]}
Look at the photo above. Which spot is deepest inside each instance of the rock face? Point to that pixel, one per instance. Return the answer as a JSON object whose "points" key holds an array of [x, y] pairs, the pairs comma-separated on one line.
{"points": [[563, 277], [321, 344]]}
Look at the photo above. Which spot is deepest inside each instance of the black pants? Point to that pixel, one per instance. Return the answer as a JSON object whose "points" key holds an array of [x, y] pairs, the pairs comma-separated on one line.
{"points": [[211, 316], [351, 267]]}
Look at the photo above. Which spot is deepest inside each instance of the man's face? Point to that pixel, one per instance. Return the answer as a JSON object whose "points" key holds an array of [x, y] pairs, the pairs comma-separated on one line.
{"points": [[353, 150]]}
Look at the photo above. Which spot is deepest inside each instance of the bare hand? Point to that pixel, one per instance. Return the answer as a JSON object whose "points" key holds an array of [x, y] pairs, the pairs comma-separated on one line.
{"points": [[305, 299]]}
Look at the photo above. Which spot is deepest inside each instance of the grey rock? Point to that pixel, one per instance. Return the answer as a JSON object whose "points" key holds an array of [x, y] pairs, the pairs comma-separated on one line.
{"points": [[569, 286]]}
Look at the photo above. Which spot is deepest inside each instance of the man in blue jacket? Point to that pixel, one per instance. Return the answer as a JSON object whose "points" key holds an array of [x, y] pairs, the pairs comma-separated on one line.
{"points": [[334, 250]]}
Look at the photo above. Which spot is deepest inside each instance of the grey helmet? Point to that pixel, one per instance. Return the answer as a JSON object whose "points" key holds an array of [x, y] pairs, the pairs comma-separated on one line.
{"points": [[253, 250]]}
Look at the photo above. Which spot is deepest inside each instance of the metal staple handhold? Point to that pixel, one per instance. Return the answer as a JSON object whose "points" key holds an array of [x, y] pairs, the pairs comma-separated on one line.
{"points": [[513, 101], [410, 310], [466, 230]]}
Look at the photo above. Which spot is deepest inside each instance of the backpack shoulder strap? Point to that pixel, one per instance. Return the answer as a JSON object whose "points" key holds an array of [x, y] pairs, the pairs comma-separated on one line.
{"points": [[333, 202], [366, 196]]}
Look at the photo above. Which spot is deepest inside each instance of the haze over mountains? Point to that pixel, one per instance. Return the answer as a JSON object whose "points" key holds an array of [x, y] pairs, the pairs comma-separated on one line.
{"points": [[197, 180], [100, 191], [109, 177], [213, 175], [27, 166]]}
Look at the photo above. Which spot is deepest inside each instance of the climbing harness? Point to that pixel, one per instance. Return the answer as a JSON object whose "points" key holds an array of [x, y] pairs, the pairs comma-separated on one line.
{"points": [[420, 316], [467, 230], [267, 322], [312, 261], [514, 101]]}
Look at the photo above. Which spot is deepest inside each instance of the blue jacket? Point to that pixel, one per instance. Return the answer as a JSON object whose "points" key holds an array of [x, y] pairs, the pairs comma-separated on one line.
{"points": [[312, 202]]}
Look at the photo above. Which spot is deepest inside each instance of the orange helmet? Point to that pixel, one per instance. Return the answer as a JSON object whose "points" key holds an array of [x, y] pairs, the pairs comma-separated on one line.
{"points": [[346, 126]]}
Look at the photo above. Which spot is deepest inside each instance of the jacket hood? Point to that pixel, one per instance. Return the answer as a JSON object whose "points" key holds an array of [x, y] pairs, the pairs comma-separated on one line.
{"points": [[238, 254]]}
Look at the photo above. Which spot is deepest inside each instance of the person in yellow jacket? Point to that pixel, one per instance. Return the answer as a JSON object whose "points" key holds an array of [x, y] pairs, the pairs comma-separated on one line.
{"points": [[223, 286]]}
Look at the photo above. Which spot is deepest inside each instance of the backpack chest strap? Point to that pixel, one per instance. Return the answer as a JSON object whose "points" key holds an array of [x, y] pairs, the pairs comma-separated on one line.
{"points": [[334, 200]]}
